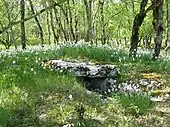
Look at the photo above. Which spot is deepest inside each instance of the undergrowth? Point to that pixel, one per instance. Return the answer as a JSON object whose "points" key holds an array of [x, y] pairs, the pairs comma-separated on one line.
{"points": [[135, 103], [33, 96]]}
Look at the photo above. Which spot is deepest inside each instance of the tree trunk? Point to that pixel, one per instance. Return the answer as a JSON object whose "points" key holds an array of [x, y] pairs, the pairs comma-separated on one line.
{"points": [[135, 33], [103, 35], [66, 21], [48, 28], [12, 39], [38, 24], [84, 28], [135, 30], [76, 24], [167, 23], [158, 27], [96, 34], [56, 38], [23, 35], [71, 21], [88, 6], [9, 13], [60, 24]]}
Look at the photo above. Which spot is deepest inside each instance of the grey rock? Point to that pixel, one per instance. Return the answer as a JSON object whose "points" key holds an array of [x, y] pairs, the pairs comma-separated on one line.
{"points": [[95, 77], [143, 82]]}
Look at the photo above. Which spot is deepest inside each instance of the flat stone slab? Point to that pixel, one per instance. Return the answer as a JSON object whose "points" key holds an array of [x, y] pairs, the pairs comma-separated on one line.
{"points": [[82, 69], [99, 77]]}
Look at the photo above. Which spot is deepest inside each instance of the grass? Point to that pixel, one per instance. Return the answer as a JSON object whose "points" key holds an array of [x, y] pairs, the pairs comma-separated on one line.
{"points": [[33, 96], [135, 103], [119, 58]]}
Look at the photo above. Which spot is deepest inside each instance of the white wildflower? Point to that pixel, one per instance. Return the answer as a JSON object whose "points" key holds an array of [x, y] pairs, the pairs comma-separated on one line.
{"points": [[157, 99], [32, 69], [70, 96], [61, 71], [42, 116], [13, 62], [109, 90], [36, 61], [120, 59], [69, 125]]}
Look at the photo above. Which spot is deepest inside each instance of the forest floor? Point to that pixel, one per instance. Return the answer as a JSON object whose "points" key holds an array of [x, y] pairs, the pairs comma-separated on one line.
{"points": [[31, 96]]}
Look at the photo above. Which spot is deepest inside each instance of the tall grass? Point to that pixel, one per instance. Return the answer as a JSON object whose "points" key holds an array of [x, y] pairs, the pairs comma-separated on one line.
{"points": [[135, 103]]}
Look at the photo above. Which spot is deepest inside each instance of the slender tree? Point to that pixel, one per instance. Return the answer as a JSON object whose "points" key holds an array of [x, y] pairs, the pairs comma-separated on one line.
{"points": [[167, 26], [59, 23], [88, 7], [103, 35], [71, 21], [56, 37], [9, 16], [48, 28], [76, 23], [135, 30], [158, 26], [66, 26], [38, 24], [23, 35], [139, 18]]}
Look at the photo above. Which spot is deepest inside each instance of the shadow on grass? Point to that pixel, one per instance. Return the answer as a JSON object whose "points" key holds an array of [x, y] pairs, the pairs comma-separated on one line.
{"points": [[4, 115]]}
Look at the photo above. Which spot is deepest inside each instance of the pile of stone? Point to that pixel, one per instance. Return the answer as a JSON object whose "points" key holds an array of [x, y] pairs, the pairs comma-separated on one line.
{"points": [[152, 87], [141, 85]]}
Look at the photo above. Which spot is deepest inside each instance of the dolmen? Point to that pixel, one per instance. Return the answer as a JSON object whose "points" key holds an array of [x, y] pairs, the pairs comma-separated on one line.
{"points": [[101, 78]]}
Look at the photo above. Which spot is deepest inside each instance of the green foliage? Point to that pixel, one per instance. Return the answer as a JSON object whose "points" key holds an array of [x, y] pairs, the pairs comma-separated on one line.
{"points": [[135, 103], [146, 28], [33, 96], [4, 115], [80, 109], [88, 123], [118, 19]]}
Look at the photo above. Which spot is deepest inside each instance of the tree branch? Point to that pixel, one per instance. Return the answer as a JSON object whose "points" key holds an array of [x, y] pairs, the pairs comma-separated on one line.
{"points": [[28, 18], [151, 7]]}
